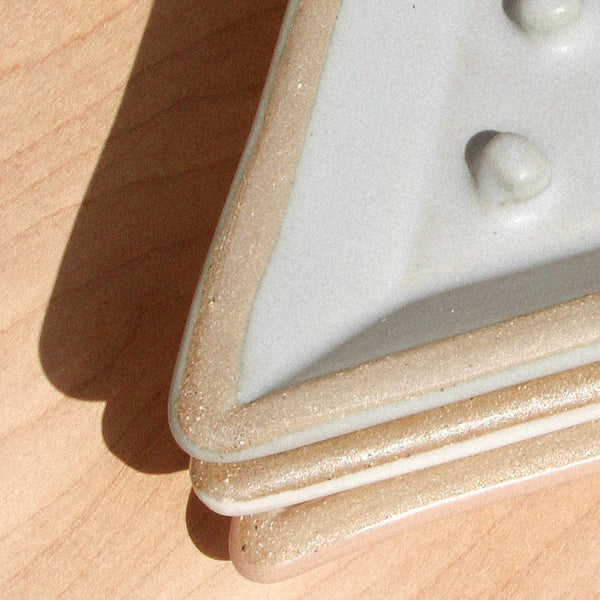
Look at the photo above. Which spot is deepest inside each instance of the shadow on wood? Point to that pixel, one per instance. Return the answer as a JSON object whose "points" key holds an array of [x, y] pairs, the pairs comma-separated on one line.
{"points": [[208, 530], [120, 302]]}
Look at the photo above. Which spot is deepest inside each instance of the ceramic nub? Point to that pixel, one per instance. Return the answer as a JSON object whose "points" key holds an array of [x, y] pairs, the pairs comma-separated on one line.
{"points": [[507, 167], [544, 17]]}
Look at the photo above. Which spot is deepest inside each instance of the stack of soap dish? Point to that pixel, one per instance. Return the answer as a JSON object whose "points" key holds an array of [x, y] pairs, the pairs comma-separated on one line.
{"points": [[399, 315]]}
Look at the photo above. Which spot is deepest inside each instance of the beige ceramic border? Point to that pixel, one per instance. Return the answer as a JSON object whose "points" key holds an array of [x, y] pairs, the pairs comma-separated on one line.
{"points": [[281, 544], [205, 416], [315, 470]]}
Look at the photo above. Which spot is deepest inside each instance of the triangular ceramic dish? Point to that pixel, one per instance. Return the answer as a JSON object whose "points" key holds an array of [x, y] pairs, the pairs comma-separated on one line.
{"points": [[414, 223], [284, 543]]}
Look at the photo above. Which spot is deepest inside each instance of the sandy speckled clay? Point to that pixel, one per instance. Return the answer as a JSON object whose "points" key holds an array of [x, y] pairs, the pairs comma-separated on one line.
{"points": [[413, 443], [280, 544]]}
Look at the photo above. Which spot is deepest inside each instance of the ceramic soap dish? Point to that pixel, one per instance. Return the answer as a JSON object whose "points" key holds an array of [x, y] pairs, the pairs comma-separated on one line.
{"points": [[406, 276]]}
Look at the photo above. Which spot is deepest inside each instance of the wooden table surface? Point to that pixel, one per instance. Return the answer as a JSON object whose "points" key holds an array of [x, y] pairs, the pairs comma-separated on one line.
{"points": [[121, 124]]}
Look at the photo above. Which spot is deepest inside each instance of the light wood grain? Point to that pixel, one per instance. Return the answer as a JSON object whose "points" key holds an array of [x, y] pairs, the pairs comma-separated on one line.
{"points": [[121, 124]]}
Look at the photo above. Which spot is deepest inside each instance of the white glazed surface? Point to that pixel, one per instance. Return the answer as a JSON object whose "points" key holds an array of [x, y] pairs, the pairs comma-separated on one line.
{"points": [[384, 212]]}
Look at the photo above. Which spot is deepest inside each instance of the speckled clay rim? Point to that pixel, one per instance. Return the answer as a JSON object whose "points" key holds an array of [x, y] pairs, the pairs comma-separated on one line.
{"points": [[421, 441], [280, 544], [206, 418]]}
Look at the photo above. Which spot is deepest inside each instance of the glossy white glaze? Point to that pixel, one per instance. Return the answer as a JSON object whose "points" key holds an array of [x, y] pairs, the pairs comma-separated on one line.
{"points": [[385, 217]]}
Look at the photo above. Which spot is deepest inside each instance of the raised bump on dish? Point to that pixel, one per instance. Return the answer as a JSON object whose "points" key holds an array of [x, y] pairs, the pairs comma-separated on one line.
{"points": [[544, 17], [507, 167]]}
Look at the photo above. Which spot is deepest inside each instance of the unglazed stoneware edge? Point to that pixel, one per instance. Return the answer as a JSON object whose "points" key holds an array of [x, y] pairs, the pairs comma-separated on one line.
{"points": [[404, 384], [205, 416], [281, 544], [417, 442], [206, 375]]}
